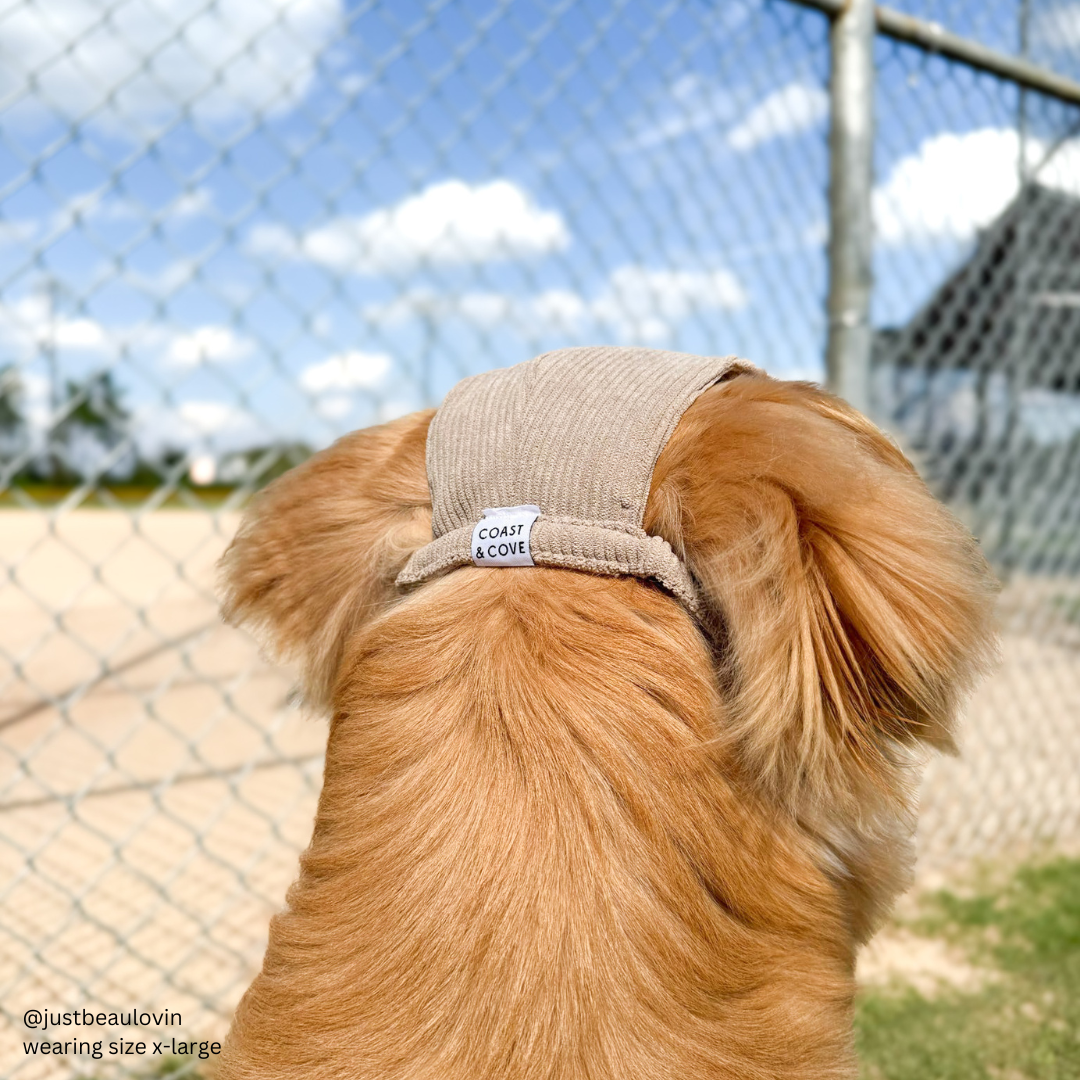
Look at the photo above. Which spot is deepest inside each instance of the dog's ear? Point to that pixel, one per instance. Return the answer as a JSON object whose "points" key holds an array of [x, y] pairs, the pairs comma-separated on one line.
{"points": [[852, 611], [318, 550]]}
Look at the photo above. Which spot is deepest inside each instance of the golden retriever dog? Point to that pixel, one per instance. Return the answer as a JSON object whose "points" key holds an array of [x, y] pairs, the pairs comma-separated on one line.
{"points": [[568, 832]]}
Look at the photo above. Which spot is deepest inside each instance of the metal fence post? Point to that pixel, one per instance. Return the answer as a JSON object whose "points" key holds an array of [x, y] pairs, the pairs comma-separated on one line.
{"points": [[851, 149]]}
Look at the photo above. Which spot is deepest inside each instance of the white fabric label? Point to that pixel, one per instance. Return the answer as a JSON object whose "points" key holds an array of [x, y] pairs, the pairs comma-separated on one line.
{"points": [[501, 537]]}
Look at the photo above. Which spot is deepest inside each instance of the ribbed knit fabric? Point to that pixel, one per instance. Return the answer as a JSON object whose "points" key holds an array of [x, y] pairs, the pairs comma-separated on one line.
{"points": [[576, 432]]}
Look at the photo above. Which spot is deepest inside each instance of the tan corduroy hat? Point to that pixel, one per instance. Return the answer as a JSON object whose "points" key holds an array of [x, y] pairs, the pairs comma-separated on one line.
{"points": [[549, 463]]}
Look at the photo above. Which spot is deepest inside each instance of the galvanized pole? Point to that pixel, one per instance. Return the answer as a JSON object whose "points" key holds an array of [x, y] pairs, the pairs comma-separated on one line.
{"points": [[851, 150]]}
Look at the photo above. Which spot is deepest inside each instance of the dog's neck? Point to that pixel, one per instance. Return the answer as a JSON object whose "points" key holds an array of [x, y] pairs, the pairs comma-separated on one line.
{"points": [[530, 859]]}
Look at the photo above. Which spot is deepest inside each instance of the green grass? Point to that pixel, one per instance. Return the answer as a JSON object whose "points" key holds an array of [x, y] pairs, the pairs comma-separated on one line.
{"points": [[169, 1068], [1025, 1024], [115, 496], [173, 1068]]}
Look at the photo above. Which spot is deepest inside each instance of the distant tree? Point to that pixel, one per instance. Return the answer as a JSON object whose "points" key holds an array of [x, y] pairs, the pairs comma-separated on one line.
{"points": [[258, 465], [12, 421], [168, 463], [93, 419], [172, 458]]}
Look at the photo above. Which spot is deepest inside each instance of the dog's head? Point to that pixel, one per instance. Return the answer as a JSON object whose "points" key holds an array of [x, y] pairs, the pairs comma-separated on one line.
{"points": [[849, 613]]}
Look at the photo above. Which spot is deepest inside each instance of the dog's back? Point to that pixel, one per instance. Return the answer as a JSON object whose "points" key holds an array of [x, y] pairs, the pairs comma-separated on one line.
{"points": [[567, 833]]}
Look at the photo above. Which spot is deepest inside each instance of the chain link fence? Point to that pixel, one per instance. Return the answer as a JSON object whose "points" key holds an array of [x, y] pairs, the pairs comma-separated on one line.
{"points": [[976, 369], [231, 231]]}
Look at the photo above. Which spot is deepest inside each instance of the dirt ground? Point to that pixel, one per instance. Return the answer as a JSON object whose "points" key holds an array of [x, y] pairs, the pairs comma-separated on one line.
{"points": [[151, 824]]}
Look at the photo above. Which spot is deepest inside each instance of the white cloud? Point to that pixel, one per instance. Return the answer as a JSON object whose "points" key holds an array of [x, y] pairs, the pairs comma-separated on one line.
{"points": [[85, 334], [733, 14], [32, 329], [1056, 29], [18, 231], [169, 279], [346, 371], [202, 418], [36, 406], [635, 303], [421, 303], [561, 310], [32, 323], [816, 234], [449, 222], [395, 407], [206, 345], [955, 184], [93, 206], [646, 303], [144, 60], [334, 406], [99, 206], [334, 379], [195, 426], [696, 105], [187, 204], [352, 85], [787, 111]]}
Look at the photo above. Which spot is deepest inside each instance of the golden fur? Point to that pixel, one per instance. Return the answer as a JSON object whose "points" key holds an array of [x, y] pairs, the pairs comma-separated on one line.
{"points": [[567, 834]]}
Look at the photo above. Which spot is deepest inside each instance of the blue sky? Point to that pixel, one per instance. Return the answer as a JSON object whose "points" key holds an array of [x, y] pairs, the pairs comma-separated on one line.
{"points": [[289, 218]]}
